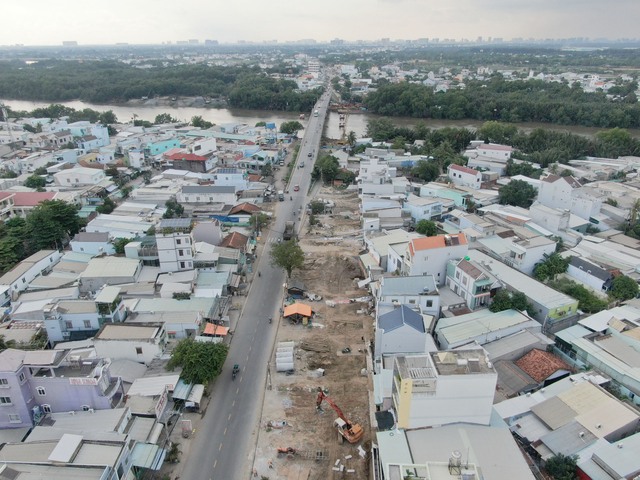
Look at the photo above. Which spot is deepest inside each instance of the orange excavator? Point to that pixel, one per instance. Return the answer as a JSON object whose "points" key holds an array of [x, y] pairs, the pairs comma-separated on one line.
{"points": [[351, 432]]}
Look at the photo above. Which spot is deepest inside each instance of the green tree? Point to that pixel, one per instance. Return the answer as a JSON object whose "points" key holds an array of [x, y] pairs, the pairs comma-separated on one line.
{"points": [[51, 224], [519, 302], [326, 168], [119, 244], [351, 138], [426, 227], [163, 118], [624, 288], [10, 248], [427, 171], [258, 221], [261, 124], [4, 344], [107, 206], [316, 207], [518, 193], [35, 181], [201, 362], [500, 301], [551, 267], [291, 127], [198, 122], [266, 170], [288, 256], [174, 209], [107, 118], [497, 132], [562, 467]]}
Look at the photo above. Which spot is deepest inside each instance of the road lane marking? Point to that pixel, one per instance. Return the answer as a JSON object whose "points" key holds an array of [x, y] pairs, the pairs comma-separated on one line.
{"points": [[215, 463], [229, 417], [225, 431], [238, 390], [220, 447]]}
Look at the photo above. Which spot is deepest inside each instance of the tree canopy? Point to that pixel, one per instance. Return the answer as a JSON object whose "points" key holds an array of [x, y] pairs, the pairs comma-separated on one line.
{"points": [[551, 267], [624, 288], [505, 300], [288, 256], [562, 467], [35, 181], [326, 168], [201, 362], [518, 193], [163, 118], [51, 224], [199, 122], [426, 227], [290, 127]]}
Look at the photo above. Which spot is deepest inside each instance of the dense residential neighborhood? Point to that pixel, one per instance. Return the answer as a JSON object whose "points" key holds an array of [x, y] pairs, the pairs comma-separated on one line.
{"points": [[494, 334]]}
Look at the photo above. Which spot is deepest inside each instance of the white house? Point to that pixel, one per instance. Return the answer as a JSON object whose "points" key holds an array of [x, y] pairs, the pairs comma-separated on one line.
{"points": [[442, 388], [556, 191], [141, 343], [420, 291], [429, 255], [590, 274], [20, 276], [520, 253], [402, 330], [465, 176], [175, 244], [204, 194], [77, 176], [424, 208], [93, 243]]}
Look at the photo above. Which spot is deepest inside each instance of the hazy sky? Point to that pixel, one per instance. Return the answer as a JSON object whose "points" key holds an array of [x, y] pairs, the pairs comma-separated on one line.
{"points": [[47, 22]]}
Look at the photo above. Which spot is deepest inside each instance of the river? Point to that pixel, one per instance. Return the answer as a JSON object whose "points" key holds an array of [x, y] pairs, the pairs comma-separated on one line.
{"points": [[356, 122]]}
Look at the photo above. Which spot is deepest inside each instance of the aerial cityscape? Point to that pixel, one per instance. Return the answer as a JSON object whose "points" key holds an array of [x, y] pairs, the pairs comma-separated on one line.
{"points": [[386, 240]]}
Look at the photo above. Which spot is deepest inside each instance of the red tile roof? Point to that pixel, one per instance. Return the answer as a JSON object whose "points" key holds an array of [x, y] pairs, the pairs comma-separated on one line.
{"points": [[245, 207], [439, 241], [4, 195], [190, 157], [460, 168], [31, 199], [540, 365], [235, 240]]}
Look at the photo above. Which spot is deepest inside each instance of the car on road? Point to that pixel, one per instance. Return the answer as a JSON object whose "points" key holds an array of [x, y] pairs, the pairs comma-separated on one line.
{"points": [[301, 164], [309, 154], [296, 188]]}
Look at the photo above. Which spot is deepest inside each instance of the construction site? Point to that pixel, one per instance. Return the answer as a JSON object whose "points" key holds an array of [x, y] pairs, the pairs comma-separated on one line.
{"points": [[315, 420]]}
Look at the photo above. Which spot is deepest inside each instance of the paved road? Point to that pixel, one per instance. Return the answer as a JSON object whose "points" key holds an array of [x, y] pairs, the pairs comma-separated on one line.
{"points": [[225, 439]]}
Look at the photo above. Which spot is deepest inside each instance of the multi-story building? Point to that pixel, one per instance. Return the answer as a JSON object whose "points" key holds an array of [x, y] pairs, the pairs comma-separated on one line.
{"points": [[465, 176], [442, 388], [175, 244], [35, 382], [429, 255], [471, 283], [419, 292]]}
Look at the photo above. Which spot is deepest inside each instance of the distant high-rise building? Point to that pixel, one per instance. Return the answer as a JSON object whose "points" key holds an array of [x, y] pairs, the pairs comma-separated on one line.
{"points": [[211, 42], [194, 41]]}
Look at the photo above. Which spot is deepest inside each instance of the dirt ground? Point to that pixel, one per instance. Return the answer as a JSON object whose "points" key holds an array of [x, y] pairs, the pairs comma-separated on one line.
{"points": [[289, 417]]}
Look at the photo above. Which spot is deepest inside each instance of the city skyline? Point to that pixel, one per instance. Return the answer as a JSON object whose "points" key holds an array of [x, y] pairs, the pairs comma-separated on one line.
{"points": [[146, 22]]}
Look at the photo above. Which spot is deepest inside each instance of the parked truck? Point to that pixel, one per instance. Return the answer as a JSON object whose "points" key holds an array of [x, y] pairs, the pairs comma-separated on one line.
{"points": [[289, 231]]}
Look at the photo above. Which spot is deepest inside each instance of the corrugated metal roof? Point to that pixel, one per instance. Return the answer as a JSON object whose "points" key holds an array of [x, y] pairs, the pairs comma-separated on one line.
{"points": [[569, 439], [554, 412]]}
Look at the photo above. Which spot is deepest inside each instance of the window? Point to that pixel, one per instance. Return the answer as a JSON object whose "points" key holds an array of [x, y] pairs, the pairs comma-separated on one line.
{"points": [[21, 378], [5, 401], [182, 265], [178, 241], [15, 419], [458, 275], [41, 391], [181, 253], [3, 382], [139, 350], [171, 335], [86, 408], [46, 408], [68, 324], [429, 303], [412, 301], [87, 323]]}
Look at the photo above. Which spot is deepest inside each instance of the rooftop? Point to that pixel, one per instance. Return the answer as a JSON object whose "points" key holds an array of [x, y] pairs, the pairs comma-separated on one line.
{"points": [[111, 267], [410, 285], [439, 241], [462, 362], [124, 331], [400, 316], [540, 365]]}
